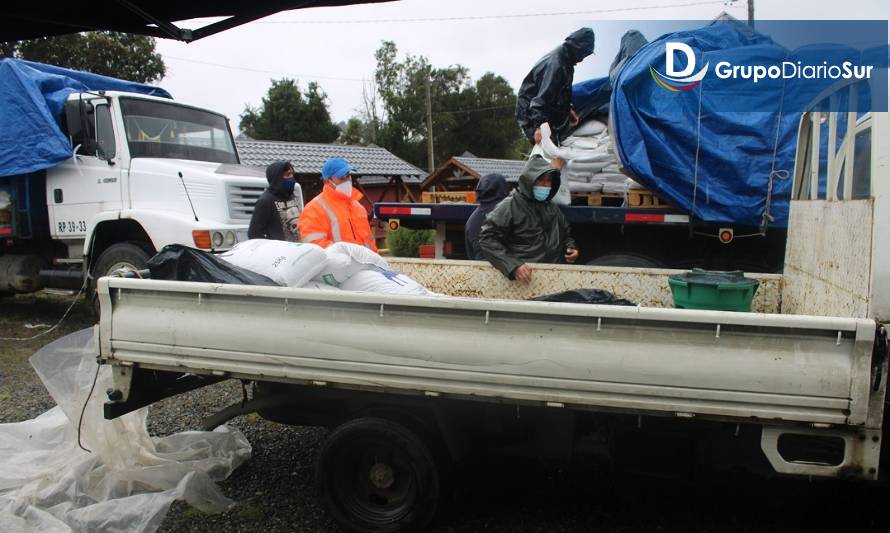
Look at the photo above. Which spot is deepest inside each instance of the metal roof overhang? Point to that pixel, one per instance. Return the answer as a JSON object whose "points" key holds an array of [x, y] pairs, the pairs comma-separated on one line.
{"points": [[28, 20]]}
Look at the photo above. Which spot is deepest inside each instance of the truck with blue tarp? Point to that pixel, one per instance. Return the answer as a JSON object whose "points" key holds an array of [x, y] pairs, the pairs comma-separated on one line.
{"points": [[97, 173], [724, 172]]}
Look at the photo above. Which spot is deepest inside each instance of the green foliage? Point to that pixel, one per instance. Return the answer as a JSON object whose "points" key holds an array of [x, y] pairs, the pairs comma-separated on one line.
{"points": [[405, 242], [355, 132], [478, 117], [289, 114], [121, 55]]}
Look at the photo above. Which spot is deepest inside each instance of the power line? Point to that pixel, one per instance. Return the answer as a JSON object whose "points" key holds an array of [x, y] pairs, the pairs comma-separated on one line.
{"points": [[727, 3], [248, 69], [473, 110]]}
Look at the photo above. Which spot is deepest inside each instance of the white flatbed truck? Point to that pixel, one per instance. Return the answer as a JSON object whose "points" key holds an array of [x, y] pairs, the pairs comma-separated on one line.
{"points": [[410, 384]]}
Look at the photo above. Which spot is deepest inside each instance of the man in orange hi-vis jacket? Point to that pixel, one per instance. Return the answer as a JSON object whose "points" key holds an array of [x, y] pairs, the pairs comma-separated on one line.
{"points": [[336, 215]]}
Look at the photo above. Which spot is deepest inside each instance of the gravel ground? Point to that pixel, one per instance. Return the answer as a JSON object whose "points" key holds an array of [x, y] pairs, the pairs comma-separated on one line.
{"points": [[274, 490]]}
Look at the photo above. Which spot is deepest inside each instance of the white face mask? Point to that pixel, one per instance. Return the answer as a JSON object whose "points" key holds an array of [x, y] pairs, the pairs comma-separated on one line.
{"points": [[345, 188]]}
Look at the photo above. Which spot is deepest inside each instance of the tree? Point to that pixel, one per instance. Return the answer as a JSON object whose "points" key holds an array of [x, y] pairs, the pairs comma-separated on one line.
{"points": [[120, 55], [466, 116], [352, 132], [489, 129], [289, 114]]}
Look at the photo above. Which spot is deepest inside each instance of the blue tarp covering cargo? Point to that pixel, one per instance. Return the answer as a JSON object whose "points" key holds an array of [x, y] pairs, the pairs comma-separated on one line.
{"points": [[723, 152], [32, 97], [716, 165]]}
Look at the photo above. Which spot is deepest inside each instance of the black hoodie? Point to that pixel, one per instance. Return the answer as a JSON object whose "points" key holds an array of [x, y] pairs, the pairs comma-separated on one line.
{"points": [[546, 92], [490, 190], [276, 214]]}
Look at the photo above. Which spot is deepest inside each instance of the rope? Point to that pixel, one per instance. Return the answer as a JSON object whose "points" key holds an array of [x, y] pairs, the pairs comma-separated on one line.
{"points": [[773, 173], [701, 91], [57, 324]]}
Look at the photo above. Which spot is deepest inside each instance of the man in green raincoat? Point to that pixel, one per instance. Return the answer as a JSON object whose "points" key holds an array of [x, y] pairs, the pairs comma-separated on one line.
{"points": [[527, 227]]}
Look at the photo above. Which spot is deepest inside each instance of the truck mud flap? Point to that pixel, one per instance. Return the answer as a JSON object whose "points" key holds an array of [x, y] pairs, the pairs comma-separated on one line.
{"points": [[135, 388]]}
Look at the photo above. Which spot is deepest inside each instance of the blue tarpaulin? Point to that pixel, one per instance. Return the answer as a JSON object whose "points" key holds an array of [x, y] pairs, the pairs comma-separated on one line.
{"points": [[716, 165], [32, 98], [723, 151]]}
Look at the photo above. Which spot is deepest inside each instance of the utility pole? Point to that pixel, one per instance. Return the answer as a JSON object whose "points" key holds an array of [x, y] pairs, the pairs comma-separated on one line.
{"points": [[429, 127], [751, 13]]}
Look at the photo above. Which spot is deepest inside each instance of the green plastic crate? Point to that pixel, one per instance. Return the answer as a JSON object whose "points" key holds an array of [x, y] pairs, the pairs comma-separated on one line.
{"points": [[714, 290]]}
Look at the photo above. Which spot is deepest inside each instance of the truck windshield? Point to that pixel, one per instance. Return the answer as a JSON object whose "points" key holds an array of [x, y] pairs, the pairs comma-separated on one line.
{"points": [[159, 129]]}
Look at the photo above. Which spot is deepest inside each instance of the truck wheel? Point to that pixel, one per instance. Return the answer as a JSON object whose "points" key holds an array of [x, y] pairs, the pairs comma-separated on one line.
{"points": [[375, 475], [121, 256]]}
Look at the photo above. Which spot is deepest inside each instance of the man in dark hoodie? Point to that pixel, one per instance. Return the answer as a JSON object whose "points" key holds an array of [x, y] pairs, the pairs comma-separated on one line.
{"points": [[276, 214], [490, 190], [527, 227], [546, 92]]}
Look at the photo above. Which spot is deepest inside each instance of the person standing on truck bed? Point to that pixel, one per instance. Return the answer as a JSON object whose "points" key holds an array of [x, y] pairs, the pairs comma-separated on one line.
{"points": [[336, 214], [546, 92], [527, 227], [276, 214], [490, 190]]}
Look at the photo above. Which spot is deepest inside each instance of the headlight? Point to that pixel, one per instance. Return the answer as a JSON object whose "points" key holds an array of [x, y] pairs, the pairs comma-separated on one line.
{"points": [[230, 238], [217, 239]]}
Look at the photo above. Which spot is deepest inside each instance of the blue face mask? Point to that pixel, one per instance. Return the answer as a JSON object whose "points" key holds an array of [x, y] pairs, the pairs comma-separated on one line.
{"points": [[289, 184], [541, 193]]}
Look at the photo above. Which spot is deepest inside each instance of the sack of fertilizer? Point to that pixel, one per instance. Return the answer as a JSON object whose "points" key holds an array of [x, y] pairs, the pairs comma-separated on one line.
{"points": [[291, 264], [384, 281], [344, 260]]}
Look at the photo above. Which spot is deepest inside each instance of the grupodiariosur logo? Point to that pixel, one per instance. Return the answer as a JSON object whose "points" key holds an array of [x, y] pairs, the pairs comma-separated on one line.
{"points": [[678, 80]]}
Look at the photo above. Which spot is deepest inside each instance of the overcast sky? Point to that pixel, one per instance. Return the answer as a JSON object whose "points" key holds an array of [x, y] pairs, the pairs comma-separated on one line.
{"points": [[335, 46]]}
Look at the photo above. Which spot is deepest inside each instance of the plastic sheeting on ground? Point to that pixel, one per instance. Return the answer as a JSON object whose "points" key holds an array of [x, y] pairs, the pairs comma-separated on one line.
{"points": [[32, 97], [127, 482]]}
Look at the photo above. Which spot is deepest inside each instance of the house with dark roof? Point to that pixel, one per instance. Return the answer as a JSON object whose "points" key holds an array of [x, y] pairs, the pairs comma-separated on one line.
{"points": [[461, 173], [379, 174]]}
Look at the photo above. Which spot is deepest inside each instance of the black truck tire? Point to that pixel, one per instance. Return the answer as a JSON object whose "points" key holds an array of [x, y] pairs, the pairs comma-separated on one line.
{"points": [[375, 475], [126, 255]]}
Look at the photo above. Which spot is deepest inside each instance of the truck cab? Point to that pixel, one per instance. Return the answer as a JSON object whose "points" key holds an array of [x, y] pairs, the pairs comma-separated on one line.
{"points": [[145, 172]]}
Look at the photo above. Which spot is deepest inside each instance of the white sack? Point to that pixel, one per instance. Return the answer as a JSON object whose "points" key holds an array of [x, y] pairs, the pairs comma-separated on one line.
{"points": [[286, 263], [129, 479], [318, 285], [615, 188], [576, 186], [631, 184], [344, 260], [589, 128], [383, 281]]}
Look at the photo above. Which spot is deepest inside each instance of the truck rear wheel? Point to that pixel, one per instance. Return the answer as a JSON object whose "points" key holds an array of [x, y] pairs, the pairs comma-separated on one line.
{"points": [[376, 475]]}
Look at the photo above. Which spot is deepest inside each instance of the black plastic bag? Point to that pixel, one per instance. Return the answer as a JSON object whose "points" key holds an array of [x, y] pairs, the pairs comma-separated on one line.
{"points": [[176, 262], [584, 296]]}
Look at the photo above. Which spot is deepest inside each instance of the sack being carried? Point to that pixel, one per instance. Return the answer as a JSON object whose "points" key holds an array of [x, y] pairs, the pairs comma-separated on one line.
{"points": [[291, 264]]}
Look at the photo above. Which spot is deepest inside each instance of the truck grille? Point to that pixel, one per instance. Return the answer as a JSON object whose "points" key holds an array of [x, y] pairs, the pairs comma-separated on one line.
{"points": [[242, 198]]}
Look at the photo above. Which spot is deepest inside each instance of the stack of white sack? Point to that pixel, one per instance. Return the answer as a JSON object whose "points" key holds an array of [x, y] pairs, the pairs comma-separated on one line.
{"points": [[591, 163], [341, 265]]}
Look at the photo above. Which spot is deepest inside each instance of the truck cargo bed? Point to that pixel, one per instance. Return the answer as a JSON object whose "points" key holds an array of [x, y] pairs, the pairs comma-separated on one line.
{"points": [[764, 368]]}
